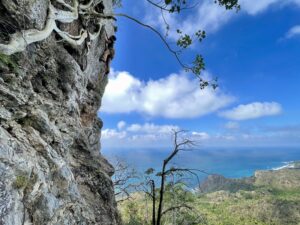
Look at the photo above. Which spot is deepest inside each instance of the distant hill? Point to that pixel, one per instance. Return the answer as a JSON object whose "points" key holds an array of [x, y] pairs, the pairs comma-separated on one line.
{"points": [[270, 197], [286, 177], [218, 182]]}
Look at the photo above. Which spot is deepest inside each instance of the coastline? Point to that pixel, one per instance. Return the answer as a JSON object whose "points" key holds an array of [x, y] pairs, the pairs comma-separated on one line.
{"points": [[288, 165], [281, 177]]}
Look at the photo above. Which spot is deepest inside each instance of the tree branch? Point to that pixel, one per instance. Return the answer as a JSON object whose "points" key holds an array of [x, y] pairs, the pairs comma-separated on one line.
{"points": [[169, 10], [175, 53], [176, 207]]}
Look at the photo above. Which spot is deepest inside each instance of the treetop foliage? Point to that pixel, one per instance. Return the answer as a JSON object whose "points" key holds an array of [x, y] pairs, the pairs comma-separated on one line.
{"points": [[177, 5]]}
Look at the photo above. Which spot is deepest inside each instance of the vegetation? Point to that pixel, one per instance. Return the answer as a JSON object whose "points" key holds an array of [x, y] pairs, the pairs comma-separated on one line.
{"points": [[184, 40], [20, 40], [20, 182], [166, 192], [263, 204], [9, 62]]}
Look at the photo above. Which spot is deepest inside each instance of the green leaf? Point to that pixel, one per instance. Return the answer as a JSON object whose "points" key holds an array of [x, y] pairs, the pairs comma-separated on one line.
{"points": [[184, 41], [167, 2], [149, 171]]}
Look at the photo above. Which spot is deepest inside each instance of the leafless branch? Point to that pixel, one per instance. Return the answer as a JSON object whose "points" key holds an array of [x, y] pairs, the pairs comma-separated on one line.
{"points": [[175, 53], [176, 208]]}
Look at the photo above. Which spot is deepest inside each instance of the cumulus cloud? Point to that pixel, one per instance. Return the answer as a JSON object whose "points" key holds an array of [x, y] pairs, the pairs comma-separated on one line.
{"points": [[294, 31], [252, 111], [147, 135], [175, 96]]}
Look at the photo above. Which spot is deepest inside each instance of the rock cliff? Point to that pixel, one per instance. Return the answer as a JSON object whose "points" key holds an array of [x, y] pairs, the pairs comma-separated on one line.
{"points": [[52, 77]]}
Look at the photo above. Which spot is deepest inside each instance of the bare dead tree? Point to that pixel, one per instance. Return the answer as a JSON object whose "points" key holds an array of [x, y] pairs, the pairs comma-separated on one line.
{"points": [[124, 180], [152, 183], [178, 146], [127, 181], [181, 143], [151, 193]]}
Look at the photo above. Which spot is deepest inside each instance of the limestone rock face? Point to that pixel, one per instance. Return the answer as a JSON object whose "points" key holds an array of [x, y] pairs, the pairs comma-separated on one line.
{"points": [[51, 171]]}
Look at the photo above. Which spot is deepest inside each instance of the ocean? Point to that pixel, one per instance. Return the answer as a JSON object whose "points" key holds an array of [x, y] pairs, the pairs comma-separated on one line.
{"points": [[229, 162]]}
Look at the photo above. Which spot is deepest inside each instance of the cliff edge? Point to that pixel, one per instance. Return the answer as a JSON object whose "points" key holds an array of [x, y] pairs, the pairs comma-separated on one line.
{"points": [[52, 78]]}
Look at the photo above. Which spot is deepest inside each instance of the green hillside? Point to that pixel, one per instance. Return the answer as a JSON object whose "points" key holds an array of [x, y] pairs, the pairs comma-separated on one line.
{"points": [[267, 198]]}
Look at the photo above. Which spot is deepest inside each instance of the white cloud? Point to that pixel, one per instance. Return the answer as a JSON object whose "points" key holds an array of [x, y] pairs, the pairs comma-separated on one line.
{"points": [[121, 125], [147, 135], [252, 111], [175, 96], [150, 135], [210, 16], [294, 31], [200, 135], [254, 7], [232, 125], [134, 127], [152, 128], [113, 134], [207, 16]]}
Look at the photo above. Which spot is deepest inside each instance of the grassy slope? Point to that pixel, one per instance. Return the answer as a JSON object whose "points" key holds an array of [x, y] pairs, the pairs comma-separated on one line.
{"points": [[274, 200], [262, 206]]}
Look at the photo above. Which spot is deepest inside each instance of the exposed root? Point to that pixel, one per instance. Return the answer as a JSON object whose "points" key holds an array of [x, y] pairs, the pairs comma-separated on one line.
{"points": [[20, 40], [70, 39]]}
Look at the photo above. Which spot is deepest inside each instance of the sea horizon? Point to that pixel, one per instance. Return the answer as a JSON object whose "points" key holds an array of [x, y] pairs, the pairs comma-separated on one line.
{"points": [[231, 162]]}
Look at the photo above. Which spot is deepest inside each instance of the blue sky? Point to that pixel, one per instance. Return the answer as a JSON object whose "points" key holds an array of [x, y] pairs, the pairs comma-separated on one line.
{"points": [[255, 54]]}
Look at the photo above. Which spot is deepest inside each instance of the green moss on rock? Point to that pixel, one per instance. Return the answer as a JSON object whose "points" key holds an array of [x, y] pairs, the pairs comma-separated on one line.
{"points": [[20, 182], [9, 61]]}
